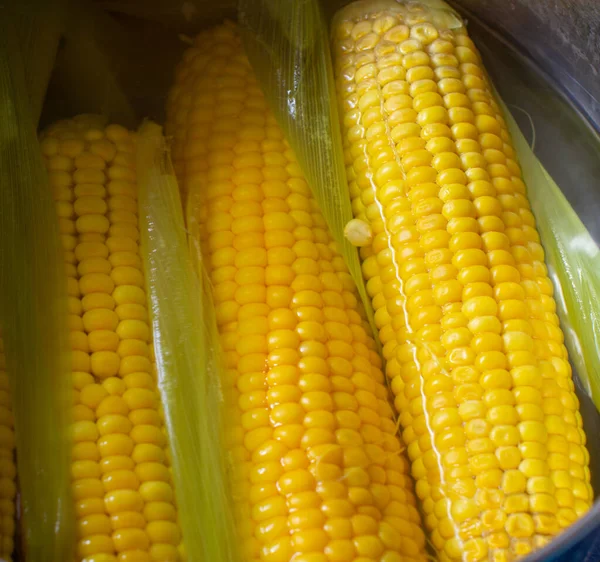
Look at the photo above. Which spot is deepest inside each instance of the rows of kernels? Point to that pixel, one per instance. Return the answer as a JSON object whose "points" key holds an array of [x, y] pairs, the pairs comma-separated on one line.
{"points": [[257, 301], [136, 365], [235, 222], [93, 526], [563, 421], [568, 458], [522, 500], [318, 469], [190, 105], [8, 469], [124, 499], [428, 151], [396, 261], [179, 99], [509, 345], [375, 435]]}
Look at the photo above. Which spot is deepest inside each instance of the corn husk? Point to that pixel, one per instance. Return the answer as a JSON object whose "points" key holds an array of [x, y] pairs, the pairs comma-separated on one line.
{"points": [[573, 261], [186, 349], [33, 310], [288, 46]]}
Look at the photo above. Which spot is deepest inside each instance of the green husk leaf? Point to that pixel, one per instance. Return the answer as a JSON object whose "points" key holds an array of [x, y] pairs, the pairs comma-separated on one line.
{"points": [[573, 261], [33, 313], [39, 25], [186, 348], [116, 65], [288, 46], [86, 74]]}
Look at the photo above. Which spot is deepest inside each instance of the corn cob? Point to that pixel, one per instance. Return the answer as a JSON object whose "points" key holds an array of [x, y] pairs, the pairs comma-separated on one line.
{"points": [[318, 473], [122, 487], [456, 273], [8, 469]]}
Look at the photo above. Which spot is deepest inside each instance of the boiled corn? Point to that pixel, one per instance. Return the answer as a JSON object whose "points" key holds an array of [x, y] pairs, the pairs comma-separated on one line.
{"points": [[318, 469], [462, 298], [124, 500]]}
